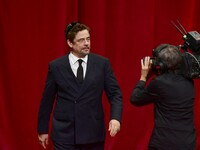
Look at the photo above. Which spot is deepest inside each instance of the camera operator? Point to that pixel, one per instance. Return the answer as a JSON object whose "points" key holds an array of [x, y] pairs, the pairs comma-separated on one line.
{"points": [[173, 97]]}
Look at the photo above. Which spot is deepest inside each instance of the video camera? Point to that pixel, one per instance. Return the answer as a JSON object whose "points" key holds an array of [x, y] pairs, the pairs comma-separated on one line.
{"points": [[190, 67]]}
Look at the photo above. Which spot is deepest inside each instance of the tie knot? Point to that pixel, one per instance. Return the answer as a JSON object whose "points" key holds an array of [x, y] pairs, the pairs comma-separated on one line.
{"points": [[80, 61]]}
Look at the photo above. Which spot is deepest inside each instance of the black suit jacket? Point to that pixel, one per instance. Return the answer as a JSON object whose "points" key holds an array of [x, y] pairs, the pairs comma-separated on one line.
{"points": [[173, 98], [78, 115]]}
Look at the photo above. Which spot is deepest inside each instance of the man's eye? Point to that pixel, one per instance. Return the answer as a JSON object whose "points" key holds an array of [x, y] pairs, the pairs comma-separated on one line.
{"points": [[80, 40], [83, 40]]}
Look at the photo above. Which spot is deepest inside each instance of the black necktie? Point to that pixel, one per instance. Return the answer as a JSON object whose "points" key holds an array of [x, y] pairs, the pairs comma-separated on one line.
{"points": [[80, 71]]}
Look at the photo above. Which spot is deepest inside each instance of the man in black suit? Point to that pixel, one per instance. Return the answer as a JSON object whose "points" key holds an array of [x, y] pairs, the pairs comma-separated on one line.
{"points": [[173, 98], [76, 83]]}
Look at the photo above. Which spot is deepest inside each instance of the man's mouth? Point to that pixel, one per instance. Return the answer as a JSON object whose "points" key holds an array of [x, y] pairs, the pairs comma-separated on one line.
{"points": [[86, 49]]}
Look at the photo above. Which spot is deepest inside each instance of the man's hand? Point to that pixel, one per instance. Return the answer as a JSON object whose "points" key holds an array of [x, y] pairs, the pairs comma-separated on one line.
{"points": [[145, 67], [114, 127], [43, 140]]}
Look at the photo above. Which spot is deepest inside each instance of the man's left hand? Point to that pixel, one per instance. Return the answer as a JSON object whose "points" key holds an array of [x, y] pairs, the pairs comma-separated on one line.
{"points": [[114, 127]]}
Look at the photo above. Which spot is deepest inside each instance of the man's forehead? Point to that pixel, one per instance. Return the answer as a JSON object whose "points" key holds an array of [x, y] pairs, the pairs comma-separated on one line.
{"points": [[82, 34]]}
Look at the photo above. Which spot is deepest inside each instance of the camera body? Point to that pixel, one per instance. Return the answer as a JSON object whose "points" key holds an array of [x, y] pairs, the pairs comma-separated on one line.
{"points": [[190, 66], [192, 41]]}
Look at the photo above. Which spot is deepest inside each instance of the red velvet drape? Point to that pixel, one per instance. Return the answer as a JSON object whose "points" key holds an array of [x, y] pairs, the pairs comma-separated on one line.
{"points": [[32, 34]]}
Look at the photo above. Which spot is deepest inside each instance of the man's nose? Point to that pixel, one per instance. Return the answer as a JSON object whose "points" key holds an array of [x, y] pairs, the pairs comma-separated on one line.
{"points": [[86, 42]]}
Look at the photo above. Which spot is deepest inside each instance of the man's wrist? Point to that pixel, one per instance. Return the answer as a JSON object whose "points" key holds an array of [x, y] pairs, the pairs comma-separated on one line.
{"points": [[143, 78]]}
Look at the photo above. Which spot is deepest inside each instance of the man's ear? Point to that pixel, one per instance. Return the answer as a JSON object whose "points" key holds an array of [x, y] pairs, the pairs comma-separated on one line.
{"points": [[69, 43]]}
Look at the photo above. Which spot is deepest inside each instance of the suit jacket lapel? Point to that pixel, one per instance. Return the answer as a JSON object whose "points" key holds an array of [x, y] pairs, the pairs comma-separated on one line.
{"points": [[89, 75], [70, 78], [68, 74]]}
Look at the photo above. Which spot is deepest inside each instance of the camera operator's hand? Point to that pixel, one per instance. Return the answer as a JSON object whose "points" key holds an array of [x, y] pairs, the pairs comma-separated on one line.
{"points": [[146, 66]]}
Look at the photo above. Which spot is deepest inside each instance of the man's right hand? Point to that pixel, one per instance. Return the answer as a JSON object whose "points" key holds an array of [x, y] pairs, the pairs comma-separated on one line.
{"points": [[43, 140], [146, 66]]}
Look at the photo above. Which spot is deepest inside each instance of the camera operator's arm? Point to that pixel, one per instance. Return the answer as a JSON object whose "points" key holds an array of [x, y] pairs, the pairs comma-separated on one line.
{"points": [[141, 96]]}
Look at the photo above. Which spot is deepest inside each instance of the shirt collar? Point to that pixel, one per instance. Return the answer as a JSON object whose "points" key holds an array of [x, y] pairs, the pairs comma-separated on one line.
{"points": [[74, 59]]}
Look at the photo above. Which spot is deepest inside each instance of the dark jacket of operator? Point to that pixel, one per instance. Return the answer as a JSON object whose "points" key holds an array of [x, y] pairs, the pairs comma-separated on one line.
{"points": [[173, 98]]}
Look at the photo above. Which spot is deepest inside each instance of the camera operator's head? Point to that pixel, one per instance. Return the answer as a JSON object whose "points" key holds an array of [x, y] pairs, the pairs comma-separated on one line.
{"points": [[166, 57]]}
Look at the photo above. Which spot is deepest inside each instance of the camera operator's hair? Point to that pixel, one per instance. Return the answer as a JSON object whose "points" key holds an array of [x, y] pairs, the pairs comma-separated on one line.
{"points": [[170, 55], [73, 28]]}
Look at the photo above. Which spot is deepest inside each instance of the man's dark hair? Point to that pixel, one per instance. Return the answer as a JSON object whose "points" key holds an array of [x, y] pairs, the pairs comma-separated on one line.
{"points": [[170, 55], [73, 28]]}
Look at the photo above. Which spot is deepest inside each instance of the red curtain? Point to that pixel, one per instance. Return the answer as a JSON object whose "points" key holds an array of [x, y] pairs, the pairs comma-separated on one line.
{"points": [[32, 34]]}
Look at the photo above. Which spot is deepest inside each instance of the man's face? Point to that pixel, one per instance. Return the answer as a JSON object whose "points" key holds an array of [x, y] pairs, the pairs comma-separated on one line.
{"points": [[81, 44]]}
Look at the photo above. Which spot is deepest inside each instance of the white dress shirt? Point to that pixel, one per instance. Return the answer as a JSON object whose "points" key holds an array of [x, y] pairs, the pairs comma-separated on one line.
{"points": [[73, 60]]}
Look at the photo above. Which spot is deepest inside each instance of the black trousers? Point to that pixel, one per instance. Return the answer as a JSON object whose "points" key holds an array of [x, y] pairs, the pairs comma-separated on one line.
{"points": [[93, 146]]}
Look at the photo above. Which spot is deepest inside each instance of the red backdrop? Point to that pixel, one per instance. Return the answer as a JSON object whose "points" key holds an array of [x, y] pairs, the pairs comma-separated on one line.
{"points": [[32, 34]]}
